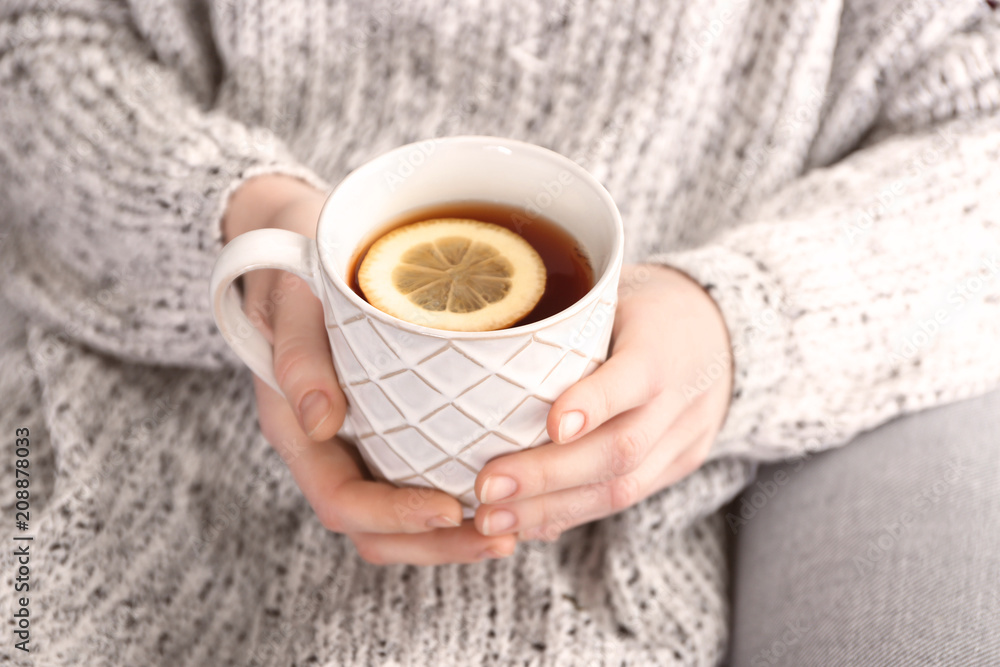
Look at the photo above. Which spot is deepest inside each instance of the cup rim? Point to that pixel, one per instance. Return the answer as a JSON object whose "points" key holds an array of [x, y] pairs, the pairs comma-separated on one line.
{"points": [[587, 300]]}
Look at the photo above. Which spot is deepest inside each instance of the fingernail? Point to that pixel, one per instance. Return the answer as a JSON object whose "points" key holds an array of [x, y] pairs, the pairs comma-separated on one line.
{"points": [[442, 521], [490, 553], [570, 424], [498, 521], [497, 487], [314, 409]]}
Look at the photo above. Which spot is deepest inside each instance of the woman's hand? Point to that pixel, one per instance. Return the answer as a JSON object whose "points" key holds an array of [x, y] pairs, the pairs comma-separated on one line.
{"points": [[387, 524], [638, 424]]}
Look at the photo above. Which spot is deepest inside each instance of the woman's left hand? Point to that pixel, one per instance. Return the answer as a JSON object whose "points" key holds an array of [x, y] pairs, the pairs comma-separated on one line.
{"points": [[643, 420]]}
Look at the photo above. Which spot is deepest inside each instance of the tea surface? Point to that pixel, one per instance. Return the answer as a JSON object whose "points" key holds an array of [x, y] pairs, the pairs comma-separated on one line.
{"points": [[569, 275]]}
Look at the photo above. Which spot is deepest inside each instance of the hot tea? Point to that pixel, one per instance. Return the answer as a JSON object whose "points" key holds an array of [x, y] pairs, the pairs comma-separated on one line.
{"points": [[568, 272]]}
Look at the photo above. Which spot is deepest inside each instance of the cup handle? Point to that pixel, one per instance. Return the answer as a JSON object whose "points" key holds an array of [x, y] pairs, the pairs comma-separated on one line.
{"points": [[250, 251]]}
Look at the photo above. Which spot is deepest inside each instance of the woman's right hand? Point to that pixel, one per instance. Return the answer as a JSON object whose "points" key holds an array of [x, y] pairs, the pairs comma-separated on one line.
{"points": [[387, 524]]}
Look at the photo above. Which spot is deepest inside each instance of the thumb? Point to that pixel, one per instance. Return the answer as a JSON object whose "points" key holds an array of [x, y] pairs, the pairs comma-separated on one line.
{"points": [[302, 361]]}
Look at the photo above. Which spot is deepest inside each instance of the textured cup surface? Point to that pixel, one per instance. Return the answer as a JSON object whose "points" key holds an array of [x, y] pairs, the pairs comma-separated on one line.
{"points": [[427, 410]]}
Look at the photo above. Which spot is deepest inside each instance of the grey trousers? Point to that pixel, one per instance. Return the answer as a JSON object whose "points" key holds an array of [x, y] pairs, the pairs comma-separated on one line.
{"points": [[883, 552]]}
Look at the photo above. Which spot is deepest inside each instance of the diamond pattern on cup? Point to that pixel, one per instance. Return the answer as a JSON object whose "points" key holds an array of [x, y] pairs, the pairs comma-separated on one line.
{"points": [[592, 337], [490, 401], [486, 448], [342, 309], [375, 405], [434, 404], [372, 465], [385, 458], [470, 501], [357, 421], [410, 347], [604, 341], [569, 369], [348, 368], [451, 430], [370, 350], [412, 395], [526, 421], [533, 363], [542, 438], [452, 477], [415, 449], [492, 354], [450, 372], [566, 333]]}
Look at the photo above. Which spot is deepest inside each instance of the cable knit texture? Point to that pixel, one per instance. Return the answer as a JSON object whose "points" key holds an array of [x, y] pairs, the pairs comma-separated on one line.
{"points": [[827, 170]]}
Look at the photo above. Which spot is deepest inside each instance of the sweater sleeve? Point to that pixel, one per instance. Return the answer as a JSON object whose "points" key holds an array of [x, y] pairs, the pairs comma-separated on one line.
{"points": [[113, 182], [869, 288]]}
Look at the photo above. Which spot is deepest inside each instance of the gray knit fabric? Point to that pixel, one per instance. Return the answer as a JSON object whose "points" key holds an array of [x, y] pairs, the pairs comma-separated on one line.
{"points": [[826, 169]]}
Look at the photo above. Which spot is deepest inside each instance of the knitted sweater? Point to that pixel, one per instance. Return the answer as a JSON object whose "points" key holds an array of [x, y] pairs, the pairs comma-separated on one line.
{"points": [[828, 170]]}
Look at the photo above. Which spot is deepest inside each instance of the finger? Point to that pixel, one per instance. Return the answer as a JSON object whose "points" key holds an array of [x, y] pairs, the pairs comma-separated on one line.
{"points": [[682, 450], [616, 448], [696, 429], [687, 461], [456, 545], [302, 361], [559, 511], [626, 380], [261, 288], [329, 476], [548, 533]]}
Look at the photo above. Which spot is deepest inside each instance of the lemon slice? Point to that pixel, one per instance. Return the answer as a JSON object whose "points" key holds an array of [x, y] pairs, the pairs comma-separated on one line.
{"points": [[454, 274]]}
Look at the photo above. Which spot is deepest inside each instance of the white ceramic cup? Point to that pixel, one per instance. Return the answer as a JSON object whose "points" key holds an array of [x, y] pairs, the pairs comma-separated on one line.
{"points": [[428, 407]]}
